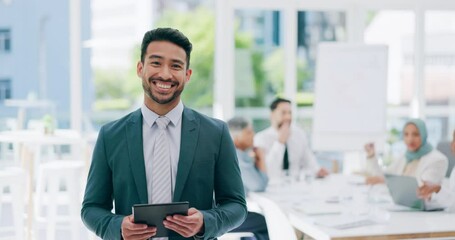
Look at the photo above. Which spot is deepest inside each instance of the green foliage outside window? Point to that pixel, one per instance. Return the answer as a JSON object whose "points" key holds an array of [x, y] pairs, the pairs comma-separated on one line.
{"points": [[117, 91]]}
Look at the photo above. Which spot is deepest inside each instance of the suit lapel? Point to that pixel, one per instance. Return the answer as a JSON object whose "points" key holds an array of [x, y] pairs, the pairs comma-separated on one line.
{"points": [[136, 153], [188, 142]]}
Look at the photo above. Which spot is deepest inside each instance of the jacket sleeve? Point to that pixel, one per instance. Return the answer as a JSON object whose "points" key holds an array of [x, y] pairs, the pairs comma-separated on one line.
{"points": [[230, 209], [97, 204]]}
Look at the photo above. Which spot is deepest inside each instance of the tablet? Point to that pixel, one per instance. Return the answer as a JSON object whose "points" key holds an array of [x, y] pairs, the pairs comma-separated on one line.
{"points": [[154, 214]]}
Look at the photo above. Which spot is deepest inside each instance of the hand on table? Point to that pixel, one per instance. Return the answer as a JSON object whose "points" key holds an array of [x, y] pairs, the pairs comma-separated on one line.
{"points": [[427, 190], [374, 180]]}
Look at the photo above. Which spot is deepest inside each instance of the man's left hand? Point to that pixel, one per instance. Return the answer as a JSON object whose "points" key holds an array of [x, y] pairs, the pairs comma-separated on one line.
{"points": [[186, 226]]}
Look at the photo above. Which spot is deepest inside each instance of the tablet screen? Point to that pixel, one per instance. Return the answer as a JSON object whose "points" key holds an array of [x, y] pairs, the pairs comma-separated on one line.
{"points": [[154, 214]]}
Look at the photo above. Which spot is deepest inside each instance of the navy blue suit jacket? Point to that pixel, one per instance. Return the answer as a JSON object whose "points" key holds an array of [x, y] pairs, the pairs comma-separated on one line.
{"points": [[208, 175]]}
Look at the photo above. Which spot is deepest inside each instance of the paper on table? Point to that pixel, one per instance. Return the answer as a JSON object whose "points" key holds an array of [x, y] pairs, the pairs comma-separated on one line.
{"points": [[344, 221], [314, 209]]}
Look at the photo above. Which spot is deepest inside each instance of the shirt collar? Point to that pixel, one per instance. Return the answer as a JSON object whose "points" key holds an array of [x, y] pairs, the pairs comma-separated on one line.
{"points": [[174, 115]]}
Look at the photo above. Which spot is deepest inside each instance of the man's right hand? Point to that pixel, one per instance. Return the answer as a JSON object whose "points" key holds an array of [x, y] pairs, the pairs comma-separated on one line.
{"points": [[284, 131], [374, 180], [133, 231], [259, 159]]}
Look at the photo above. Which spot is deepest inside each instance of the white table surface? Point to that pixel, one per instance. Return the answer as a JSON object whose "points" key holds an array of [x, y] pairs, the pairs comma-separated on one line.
{"points": [[59, 137], [338, 195]]}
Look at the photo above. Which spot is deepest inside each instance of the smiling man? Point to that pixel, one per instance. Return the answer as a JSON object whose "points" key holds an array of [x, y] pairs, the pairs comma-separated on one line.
{"points": [[164, 152]]}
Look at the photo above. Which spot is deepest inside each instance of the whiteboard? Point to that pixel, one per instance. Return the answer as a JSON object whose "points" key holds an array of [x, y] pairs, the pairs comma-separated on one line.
{"points": [[350, 96]]}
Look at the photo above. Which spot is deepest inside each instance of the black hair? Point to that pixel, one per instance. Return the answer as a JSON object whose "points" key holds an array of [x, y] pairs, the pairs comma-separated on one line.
{"points": [[277, 101], [167, 34]]}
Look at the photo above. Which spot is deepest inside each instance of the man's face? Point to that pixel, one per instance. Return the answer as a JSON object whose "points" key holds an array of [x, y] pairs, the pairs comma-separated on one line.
{"points": [[412, 137], [163, 72], [281, 114], [247, 136]]}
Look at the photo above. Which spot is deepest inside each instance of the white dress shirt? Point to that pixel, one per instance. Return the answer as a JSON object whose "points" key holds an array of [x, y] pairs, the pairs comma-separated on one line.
{"points": [[432, 167], [299, 153], [149, 130], [445, 198]]}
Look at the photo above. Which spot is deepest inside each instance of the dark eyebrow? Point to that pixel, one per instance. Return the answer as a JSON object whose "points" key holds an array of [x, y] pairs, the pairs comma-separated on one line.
{"points": [[161, 57], [155, 56], [178, 61]]}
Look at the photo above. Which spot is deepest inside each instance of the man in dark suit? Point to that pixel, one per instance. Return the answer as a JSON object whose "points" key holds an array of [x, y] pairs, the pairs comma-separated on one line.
{"points": [[203, 168]]}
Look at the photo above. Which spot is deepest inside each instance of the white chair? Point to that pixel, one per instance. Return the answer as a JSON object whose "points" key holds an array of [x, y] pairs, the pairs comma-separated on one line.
{"points": [[278, 224], [59, 184], [252, 207], [12, 181]]}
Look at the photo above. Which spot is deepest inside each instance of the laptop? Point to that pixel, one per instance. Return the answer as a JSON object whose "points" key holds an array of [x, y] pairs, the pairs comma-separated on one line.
{"points": [[403, 190]]}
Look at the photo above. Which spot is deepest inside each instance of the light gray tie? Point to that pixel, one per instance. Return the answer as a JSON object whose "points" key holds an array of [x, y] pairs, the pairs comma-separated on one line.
{"points": [[161, 165]]}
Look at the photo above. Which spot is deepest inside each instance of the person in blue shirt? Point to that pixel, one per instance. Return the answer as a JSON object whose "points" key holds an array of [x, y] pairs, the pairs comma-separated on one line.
{"points": [[253, 171], [251, 159]]}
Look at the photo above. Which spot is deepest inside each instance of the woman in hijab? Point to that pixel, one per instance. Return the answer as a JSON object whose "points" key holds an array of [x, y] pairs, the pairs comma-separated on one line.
{"points": [[421, 160]]}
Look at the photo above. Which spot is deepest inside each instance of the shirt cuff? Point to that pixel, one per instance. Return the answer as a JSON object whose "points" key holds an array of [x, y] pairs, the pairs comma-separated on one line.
{"points": [[197, 237]]}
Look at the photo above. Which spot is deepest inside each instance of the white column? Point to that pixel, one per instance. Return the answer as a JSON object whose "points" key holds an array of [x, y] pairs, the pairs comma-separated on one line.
{"points": [[289, 37], [224, 95], [418, 98], [355, 21], [75, 64], [146, 14]]}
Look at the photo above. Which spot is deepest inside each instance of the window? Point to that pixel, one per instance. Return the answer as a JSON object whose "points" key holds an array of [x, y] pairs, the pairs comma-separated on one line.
{"points": [[259, 65], [5, 40], [439, 74], [5, 89]]}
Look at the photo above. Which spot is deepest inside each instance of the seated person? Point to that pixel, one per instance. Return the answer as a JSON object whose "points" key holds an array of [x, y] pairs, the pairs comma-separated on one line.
{"points": [[285, 144], [420, 160], [440, 195], [253, 171]]}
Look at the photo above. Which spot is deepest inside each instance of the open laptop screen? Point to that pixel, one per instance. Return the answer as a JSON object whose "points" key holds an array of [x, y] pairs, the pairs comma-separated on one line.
{"points": [[403, 190]]}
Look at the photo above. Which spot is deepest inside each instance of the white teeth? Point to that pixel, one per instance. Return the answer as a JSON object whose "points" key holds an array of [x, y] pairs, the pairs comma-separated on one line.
{"points": [[160, 85]]}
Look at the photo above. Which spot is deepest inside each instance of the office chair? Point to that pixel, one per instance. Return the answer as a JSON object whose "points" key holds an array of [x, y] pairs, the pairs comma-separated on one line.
{"points": [[444, 147], [278, 223]]}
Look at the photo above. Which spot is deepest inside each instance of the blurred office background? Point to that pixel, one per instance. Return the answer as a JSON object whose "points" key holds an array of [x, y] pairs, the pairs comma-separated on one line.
{"points": [[71, 65], [36, 60]]}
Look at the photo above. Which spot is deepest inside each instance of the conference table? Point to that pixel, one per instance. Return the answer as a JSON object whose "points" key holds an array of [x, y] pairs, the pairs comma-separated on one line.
{"points": [[343, 207]]}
